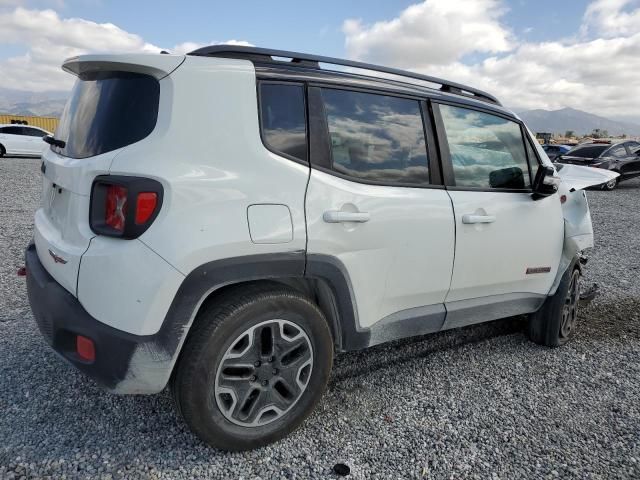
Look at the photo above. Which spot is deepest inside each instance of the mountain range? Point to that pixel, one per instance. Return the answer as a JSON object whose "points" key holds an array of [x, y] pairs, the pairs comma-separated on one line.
{"points": [[581, 123], [51, 104], [43, 104]]}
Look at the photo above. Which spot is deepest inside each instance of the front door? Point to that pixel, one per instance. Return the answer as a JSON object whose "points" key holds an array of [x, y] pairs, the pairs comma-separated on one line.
{"points": [[508, 245], [372, 207]]}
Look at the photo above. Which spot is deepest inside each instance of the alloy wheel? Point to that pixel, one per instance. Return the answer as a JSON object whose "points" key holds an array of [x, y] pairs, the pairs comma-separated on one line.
{"points": [[264, 372], [570, 307]]}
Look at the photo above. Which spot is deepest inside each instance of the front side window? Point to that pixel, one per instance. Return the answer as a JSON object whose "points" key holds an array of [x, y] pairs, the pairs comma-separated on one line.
{"points": [[487, 151], [533, 160], [34, 132], [283, 120], [618, 151], [376, 137], [634, 148]]}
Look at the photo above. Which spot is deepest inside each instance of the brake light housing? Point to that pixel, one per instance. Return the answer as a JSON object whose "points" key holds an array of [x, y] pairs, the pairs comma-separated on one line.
{"points": [[124, 206]]}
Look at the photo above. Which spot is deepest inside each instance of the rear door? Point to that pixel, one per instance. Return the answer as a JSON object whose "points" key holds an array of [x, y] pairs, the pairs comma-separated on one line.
{"points": [[16, 142], [375, 205], [508, 245]]}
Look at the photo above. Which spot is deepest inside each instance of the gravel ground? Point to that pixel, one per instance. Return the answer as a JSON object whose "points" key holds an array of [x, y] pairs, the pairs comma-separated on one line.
{"points": [[481, 402]]}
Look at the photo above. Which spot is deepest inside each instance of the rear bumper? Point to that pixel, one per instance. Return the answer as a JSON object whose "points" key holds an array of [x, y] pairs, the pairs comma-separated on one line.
{"points": [[118, 365]]}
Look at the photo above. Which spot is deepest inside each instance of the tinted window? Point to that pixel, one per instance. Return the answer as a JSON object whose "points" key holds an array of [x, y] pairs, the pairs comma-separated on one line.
{"points": [[34, 132], [107, 111], [633, 147], [13, 130], [487, 151], [375, 137], [587, 151], [533, 160], [617, 151], [283, 119]]}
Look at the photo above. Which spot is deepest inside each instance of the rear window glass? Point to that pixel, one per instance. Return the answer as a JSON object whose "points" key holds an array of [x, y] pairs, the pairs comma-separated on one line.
{"points": [[107, 111], [588, 151]]}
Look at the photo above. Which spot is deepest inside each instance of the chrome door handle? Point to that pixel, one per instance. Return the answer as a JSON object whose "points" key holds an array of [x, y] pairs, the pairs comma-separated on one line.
{"points": [[470, 218], [338, 216]]}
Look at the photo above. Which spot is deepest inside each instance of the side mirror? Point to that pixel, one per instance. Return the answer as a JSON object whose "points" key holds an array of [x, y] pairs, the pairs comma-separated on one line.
{"points": [[545, 182]]}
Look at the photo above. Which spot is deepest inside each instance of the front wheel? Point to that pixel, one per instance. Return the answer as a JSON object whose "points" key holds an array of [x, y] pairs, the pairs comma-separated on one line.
{"points": [[610, 185], [254, 367], [554, 323]]}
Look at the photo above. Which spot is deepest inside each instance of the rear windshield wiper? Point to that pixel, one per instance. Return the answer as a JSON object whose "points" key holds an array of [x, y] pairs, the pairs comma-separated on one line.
{"points": [[54, 141]]}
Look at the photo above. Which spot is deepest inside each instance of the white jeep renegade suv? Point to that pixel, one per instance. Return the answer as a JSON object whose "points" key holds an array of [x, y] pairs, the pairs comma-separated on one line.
{"points": [[225, 221]]}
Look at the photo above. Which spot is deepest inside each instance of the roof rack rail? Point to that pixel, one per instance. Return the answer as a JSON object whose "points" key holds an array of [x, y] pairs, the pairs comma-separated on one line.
{"points": [[313, 61]]}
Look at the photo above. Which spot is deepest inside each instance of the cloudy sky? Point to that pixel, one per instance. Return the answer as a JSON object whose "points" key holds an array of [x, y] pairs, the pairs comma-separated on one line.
{"points": [[531, 54]]}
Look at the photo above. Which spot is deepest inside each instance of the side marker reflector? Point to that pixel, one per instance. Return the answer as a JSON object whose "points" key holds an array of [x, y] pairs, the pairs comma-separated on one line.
{"points": [[85, 348]]}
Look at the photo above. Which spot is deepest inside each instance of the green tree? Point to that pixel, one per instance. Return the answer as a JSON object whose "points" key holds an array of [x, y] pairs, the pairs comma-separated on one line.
{"points": [[569, 134]]}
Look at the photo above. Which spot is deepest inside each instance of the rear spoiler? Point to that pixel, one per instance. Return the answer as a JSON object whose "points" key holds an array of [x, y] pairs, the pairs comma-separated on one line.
{"points": [[156, 65]]}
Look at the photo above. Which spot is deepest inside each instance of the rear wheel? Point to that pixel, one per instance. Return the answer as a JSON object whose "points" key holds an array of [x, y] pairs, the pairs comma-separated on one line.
{"points": [[553, 324], [254, 367], [2, 151]]}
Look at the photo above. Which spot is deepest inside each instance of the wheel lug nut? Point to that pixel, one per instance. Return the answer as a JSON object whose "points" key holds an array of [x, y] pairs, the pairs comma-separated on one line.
{"points": [[271, 359], [275, 371], [257, 363], [265, 382], [252, 378]]}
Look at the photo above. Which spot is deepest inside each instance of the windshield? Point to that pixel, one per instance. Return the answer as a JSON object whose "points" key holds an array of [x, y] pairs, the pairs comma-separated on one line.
{"points": [[107, 111], [588, 151]]}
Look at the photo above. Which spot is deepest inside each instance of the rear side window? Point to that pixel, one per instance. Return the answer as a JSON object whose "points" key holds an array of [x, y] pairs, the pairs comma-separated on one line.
{"points": [[376, 137], [13, 130], [107, 111], [587, 151], [282, 119], [487, 151]]}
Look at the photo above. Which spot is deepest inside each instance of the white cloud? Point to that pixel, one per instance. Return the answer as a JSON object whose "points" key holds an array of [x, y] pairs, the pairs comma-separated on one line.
{"points": [[49, 39], [432, 32], [612, 17], [599, 75]]}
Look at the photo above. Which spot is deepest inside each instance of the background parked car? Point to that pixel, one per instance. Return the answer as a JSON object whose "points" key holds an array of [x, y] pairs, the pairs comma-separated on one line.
{"points": [[22, 140], [623, 158], [553, 151]]}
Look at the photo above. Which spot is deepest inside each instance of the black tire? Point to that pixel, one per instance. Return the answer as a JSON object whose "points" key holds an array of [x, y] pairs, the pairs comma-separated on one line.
{"points": [[553, 324], [611, 185], [219, 328], [2, 151]]}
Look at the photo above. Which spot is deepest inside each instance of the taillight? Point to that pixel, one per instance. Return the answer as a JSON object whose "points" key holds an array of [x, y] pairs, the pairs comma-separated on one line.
{"points": [[145, 206], [116, 207], [123, 206]]}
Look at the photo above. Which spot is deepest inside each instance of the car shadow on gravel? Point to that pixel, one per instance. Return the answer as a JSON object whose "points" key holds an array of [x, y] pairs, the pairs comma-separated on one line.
{"points": [[84, 419]]}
